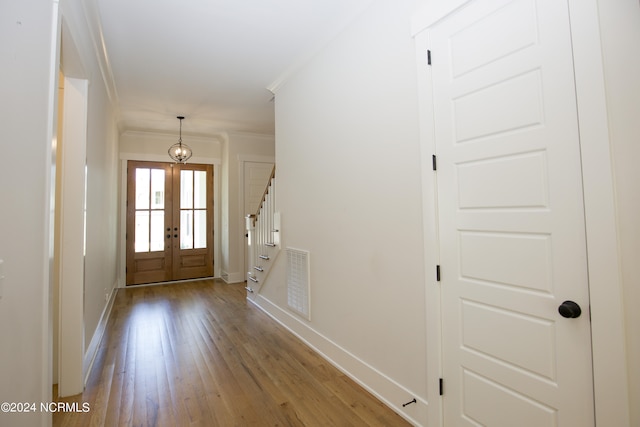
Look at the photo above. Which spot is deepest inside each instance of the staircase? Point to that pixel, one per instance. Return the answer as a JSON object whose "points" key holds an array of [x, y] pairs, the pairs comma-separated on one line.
{"points": [[263, 243]]}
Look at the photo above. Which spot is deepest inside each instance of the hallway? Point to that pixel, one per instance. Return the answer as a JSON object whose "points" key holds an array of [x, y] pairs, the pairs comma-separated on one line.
{"points": [[197, 354]]}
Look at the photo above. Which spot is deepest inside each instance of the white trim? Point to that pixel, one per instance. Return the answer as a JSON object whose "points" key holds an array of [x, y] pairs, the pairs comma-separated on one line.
{"points": [[217, 137], [94, 345], [47, 325], [72, 228], [233, 277], [231, 133], [433, 316], [428, 15], [611, 390], [375, 382], [352, 11], [91, 16], [164, 158], [122, 270], [256, 158]]}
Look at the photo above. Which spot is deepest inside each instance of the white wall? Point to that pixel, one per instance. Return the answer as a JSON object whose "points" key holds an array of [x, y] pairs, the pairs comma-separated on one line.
{"points": [[153, 146], [100, 272], [348, 168], [239, 147], [30, 69], [226, 151], [102, 201], [27, 125]]}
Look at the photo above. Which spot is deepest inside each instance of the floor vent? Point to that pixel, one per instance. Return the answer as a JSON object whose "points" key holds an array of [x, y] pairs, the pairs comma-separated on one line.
{"points": [[298, 281]]}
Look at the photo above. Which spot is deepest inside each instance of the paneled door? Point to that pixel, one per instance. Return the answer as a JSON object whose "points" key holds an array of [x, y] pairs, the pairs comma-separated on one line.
{"points": [[514, 286], [169, 222]]}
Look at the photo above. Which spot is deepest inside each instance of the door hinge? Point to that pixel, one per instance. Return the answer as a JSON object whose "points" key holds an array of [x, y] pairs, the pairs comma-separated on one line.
{"points": [[434, 162], [428, 57], [441, 386], [437, 273]]}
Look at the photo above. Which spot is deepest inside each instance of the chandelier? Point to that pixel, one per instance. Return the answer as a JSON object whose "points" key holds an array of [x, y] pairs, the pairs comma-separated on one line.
{"points": [[180, 152]]}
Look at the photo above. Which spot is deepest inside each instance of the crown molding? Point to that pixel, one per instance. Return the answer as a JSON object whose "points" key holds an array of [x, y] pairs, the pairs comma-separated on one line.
{"points": [[218, 136], [92, 18], [337, 26]]}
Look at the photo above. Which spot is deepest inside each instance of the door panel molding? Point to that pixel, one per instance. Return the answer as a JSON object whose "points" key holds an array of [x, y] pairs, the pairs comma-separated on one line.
{"points": [[479, 211], [611, 380]]}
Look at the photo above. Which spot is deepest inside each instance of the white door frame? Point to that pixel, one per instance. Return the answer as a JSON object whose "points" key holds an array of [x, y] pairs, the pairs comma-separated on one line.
{"points": [[611, 391], [242, 159], [69, 257], [72, 228]]}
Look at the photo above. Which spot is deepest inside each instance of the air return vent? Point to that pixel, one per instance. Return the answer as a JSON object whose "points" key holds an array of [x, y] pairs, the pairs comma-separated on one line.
{"points": [[298, 281]]}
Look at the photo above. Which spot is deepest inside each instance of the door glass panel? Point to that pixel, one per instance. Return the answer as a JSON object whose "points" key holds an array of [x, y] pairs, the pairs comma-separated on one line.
{"points": [[200, 229], [142, 231], [186, 189], [186, 229], [193, 214], [157, 189], [200, 190], [142, 188], [157, 230]]}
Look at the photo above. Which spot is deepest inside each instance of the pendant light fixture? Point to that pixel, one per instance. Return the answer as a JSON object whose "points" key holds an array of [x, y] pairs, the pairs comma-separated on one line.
{"points": [[180, 152]]}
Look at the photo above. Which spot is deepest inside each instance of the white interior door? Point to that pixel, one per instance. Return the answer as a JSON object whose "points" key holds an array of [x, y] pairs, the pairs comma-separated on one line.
{"points": [[511, 217]]}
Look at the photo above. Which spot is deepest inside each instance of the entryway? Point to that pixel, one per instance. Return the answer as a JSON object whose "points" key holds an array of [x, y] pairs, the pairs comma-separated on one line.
{"points": [[169, 222]]}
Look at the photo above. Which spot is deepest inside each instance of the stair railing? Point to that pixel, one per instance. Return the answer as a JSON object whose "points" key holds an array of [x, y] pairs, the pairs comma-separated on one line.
{"points": [[263, 237]]}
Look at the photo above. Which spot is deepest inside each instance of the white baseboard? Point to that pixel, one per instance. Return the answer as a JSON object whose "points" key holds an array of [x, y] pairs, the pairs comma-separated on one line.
{"points": [[375, 382], [233, 277], [92, 350]]}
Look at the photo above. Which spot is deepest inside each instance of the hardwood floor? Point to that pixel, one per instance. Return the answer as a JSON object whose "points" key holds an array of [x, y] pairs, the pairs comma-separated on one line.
{"points": [[198, 354]]}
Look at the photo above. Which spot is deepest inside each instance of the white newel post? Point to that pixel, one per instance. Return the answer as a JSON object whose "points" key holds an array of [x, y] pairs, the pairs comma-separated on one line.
{"points": [[250, 225]]}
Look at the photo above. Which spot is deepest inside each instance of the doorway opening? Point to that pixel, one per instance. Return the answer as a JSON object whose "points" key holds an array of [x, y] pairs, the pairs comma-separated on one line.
{"points": [[169, 222]]}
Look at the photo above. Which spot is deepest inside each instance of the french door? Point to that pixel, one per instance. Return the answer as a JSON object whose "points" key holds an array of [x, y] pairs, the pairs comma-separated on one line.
{"points": [[169, 222]]}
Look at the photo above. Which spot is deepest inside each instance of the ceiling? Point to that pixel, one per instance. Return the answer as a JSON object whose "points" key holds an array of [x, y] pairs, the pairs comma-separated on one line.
{"points": [[212, 61]]}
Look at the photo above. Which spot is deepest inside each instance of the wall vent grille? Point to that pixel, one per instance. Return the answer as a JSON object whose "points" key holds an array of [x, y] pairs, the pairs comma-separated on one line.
{"points": [[298, 281]]}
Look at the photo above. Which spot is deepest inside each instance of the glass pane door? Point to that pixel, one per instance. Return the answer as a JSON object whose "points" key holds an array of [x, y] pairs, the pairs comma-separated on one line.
{"points": [[149, 210], [194, 214]]}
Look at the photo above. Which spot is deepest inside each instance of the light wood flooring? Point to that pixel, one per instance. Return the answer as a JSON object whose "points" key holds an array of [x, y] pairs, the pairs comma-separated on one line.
{"points": [[198, 354]]}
